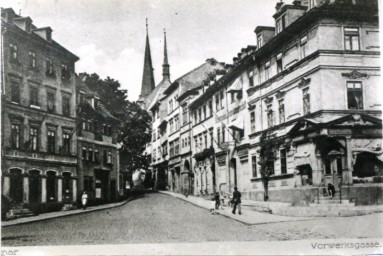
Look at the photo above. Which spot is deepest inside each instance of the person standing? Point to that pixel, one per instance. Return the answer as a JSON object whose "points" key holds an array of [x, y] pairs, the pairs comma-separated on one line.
{"points": [[217, 201], [237, 200], [84, 200]]}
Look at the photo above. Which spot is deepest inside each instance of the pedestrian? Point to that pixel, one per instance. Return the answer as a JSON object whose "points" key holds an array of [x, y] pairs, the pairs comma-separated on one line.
{"points": [[217, 201], [331, 190], [84, 200], [236, 200]]}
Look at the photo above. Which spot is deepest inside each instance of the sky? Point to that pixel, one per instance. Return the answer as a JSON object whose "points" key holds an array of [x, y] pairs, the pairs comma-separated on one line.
{"points": [[109, 35]]}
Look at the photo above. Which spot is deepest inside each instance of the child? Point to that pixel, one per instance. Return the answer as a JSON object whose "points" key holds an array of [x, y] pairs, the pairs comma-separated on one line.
{"points": [[212, 207], [217, 201]]}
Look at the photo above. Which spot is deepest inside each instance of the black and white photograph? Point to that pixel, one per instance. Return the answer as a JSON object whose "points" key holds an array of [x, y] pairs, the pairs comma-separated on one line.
{"points": [[191, 127]]}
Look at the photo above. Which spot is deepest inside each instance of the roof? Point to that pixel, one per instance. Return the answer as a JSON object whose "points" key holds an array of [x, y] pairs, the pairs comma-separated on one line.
{"points": [[156, 94]]}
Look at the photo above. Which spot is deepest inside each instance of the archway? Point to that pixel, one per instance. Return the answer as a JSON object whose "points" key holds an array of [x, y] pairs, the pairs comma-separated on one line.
{"points": [[51, 186], [16, 185], [34, 186], [367, 165]]}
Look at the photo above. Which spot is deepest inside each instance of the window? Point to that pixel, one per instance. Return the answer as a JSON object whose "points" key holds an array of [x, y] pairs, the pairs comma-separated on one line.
{"points": [[96, 155], [154, 136], [222, 99], [176, 123], [82, 97], [171, 149], [154, 156], [270, 117], [199, 114], [15, 136], [159, 153], [51, 141], [65, 73], [66, 143], [217, 104], [15, 92], [251, 78], [354, 95], [281, 110], [260, 41], [223, 133], [84, 154], [105, 155], [252, 121], [49, 67], [219, 136], [13, 52], [195, 144], [184, 115], [176, 147], [267, 70], [170, 105], [205, 139], [210, 106], [281, 24], [204, 112], [66, 105], [232, 98], [306, 101], [32, 59], [88, 183], [303, 46], [51, 102], [283, 161], [34, 96], [254, 166], [33, 133], [351, 39], [211, 137], [279, 63], [90, 154], [270, 165]]}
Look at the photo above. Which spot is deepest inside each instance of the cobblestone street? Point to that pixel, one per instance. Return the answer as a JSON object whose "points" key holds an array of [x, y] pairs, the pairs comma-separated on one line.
{"points": [[158, 218]]}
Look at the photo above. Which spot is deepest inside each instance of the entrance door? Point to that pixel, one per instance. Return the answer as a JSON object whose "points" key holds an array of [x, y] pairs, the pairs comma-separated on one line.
{"points": [[34, 186], [306, 174], [51, 186], [333, 169], [16, 185]]}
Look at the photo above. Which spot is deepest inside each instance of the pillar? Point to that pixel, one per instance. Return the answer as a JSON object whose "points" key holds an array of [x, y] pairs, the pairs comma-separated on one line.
{"points": [[59, 189], [6, 186], [347, 172], [43, 189], [25, 189], [74, 190]]}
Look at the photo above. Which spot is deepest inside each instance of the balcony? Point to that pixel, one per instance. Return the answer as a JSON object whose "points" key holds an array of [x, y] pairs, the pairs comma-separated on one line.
{"points": [[41, 156]]}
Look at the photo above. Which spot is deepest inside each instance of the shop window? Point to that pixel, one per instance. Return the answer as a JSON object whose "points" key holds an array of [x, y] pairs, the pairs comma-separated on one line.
{"points": [[351, 39], [51, 186], [354, 95]]}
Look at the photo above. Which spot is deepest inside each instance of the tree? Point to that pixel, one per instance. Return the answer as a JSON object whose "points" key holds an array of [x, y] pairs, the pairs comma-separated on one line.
{"points": [[266, 162]]}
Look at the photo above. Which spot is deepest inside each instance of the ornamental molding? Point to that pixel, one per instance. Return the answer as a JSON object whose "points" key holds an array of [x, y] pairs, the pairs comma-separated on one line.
{"points": [[304, 82], [355, 74]]}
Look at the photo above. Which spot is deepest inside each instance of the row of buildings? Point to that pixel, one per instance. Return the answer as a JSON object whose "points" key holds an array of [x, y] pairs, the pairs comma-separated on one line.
{"points": [[308, 88], [58, 139]]}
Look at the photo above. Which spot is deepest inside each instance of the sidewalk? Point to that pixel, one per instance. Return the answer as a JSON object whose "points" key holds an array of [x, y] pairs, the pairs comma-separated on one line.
{"points": [[52, 215], [249, 217]]}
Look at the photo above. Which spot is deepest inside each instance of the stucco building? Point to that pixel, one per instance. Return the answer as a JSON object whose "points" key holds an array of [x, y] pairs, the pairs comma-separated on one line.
{"points": [[39, 154]]}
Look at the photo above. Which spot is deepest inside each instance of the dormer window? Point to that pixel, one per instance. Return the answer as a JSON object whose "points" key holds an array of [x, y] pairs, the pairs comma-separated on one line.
{"points": [[281, 24], [260, 41]]}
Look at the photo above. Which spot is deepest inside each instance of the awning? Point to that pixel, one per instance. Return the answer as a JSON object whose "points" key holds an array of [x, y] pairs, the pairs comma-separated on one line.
{"points": [[237, 124], [236, 86], [302, 159]]}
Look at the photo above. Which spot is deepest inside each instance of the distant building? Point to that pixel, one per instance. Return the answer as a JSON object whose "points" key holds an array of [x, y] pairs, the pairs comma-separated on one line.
{"points": [[39, 154]]}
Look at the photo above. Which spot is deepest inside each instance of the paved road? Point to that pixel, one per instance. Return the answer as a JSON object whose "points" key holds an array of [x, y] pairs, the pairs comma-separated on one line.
{"points": [[158, 218]]}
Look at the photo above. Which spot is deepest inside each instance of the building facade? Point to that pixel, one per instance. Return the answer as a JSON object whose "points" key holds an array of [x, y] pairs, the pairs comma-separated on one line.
{"points": [[39, 162], [98, 155]]}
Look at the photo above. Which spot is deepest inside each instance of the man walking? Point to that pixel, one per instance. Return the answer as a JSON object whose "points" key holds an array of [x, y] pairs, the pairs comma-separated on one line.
{"points": [[237, 200]]}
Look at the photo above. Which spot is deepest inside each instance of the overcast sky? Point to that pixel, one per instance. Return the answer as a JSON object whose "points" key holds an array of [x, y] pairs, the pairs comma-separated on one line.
{"points": [[109, 35]]}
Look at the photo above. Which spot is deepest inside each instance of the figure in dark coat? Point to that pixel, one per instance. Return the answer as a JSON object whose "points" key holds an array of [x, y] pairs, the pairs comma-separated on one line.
{"points": [[236, 200]]}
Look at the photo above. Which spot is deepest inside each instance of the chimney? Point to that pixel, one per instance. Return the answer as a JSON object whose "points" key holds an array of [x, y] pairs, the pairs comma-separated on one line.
{"points": [[45, 33], [24, 23], [297, 3], [8, 14], [279, 5]]}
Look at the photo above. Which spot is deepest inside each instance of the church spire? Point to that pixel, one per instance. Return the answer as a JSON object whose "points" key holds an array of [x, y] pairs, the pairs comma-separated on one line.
{"points": [[147, 77], [165, 66]]}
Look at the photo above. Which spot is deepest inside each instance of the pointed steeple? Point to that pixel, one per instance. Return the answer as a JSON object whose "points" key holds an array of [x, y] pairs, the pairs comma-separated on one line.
{"points": [[147, 77], [165, 66]]}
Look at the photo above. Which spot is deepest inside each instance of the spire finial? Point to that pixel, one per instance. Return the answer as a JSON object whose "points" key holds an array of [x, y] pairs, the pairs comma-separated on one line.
{"points": [[146, 25], [165, 65]]}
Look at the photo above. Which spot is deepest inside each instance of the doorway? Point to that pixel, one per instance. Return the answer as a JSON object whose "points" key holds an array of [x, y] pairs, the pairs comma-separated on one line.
{"points": [[16, 185], [34, 186]]}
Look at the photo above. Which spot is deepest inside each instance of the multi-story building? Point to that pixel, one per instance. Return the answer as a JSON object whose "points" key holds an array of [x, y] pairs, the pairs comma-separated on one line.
{"points": [[98, 155], [39, 162], [310, 91]]}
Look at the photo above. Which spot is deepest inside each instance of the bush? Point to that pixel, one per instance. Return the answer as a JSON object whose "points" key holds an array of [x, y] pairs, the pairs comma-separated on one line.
{"points": [[5, 206], [377, 179]]}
